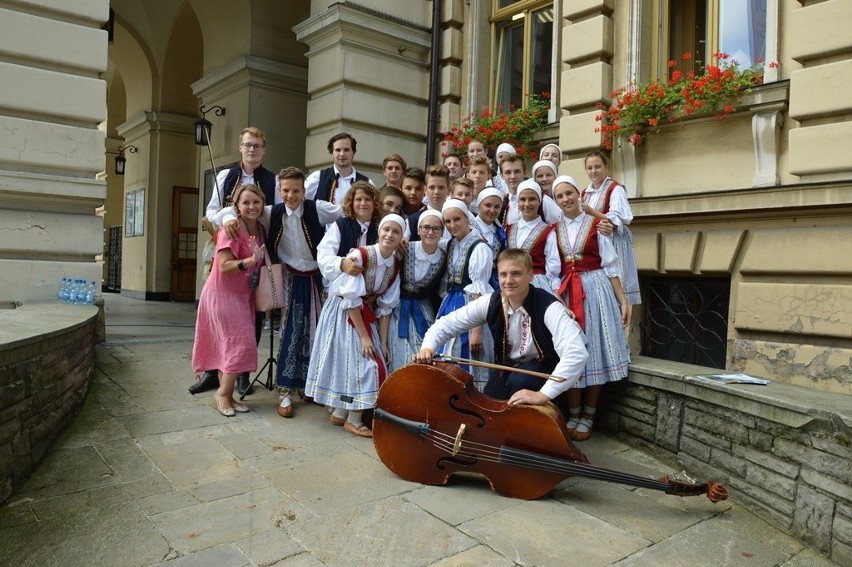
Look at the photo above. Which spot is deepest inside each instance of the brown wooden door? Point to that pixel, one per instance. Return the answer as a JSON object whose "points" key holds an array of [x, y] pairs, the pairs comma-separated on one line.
{"points": [[184, 242]]}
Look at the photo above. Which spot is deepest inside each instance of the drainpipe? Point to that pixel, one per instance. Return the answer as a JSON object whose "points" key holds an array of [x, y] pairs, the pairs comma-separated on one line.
{"points": [[432, 122]]}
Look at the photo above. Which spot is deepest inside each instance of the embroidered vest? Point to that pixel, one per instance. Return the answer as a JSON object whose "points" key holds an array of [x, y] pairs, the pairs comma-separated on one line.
{"points": [[412, 289], [535, 305], [369, 256], [607, 195], [350, 234], [534, 244], [328, 183], [584, 256], [263, 178], [457, 276]]}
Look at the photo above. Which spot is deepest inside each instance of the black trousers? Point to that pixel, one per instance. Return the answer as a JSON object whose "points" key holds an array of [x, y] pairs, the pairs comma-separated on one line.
{"points": [[501, 385]]}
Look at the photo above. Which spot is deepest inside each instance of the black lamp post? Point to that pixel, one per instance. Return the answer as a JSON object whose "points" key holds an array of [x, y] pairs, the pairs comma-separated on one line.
{"points": [[203, 126], [120, 160]]}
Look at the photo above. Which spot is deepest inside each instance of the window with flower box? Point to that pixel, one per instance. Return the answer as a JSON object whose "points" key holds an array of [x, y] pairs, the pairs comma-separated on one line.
{"points": [[522, 53], [703, 27]]}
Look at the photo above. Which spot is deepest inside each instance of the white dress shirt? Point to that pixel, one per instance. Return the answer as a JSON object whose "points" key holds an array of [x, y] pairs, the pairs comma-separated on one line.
{"points": [[567, 338]]}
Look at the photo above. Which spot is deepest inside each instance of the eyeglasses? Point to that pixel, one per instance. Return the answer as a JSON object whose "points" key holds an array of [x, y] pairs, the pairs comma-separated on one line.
{"points": [[426, 228], [248, 146]]}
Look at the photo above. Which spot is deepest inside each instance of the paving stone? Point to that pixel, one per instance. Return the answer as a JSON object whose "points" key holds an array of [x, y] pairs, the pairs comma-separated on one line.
{"points": [[244, 445], [707, 544], [242, 481], [127, 460], [65, 471], [562, 535], [339, 481], [808, 558], [284, 456], [301, 560], [166, 502], [114, 535], [100, 497], [268, 547], [172, 420], [475, 557], [461, 500], [389, 532], [190, 464], [93, 425], [16, 515], [627, 510], [228, 520], [220, 556]]}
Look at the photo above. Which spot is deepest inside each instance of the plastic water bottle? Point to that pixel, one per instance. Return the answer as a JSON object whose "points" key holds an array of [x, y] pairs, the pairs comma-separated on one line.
{"points": [[91, 292], [73, 295], [63, 283]]}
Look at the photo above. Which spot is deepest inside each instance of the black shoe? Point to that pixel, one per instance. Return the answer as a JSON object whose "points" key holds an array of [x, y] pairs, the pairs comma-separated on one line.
{"points": [[244, 386], [209, 381]]}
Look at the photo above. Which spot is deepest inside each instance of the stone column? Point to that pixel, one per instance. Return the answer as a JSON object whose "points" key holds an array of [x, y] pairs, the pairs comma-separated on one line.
{"points": [[51, 149], [367, 75]]}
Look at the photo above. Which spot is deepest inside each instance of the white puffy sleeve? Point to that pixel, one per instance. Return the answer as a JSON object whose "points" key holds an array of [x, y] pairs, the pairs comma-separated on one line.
{"points": [[609, 257], [552, 261], [619, 207], [351, 288], [327, 258], [479, 269]]}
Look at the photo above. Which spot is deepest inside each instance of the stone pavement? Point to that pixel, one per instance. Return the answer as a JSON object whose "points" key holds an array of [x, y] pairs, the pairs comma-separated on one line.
{"points": [[150, 475]]}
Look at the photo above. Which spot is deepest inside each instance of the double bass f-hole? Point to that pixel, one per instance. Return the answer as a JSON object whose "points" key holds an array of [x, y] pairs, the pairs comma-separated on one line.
{"points": [[453, 402]]}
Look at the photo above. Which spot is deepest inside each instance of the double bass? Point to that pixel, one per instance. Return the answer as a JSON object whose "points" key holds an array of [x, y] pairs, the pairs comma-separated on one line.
{"points": [[430, 423]]}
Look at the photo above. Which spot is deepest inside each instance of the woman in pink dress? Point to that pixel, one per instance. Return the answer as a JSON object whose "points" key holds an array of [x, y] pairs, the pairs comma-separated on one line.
{"points": [[224, 327]]}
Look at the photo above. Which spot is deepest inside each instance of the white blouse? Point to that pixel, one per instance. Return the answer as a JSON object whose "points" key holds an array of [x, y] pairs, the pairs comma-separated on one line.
{"points": [[619, 207], [352, 289]]}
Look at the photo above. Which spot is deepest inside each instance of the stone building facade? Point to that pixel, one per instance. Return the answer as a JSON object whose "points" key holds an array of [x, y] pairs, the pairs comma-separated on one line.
{"points": [[742, 230]]}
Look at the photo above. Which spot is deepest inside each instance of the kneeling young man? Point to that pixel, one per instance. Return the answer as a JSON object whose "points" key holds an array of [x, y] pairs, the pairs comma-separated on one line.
{"points": [[532, 330]]}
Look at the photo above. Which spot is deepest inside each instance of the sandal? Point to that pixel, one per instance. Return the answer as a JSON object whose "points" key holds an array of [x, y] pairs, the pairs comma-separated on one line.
{"points": [[360, 430], [336, 420], [586, 421]]}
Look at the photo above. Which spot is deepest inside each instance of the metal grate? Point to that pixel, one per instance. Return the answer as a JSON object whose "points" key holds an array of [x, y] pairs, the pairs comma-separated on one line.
{"points": [[686, 320], [114, 259]]}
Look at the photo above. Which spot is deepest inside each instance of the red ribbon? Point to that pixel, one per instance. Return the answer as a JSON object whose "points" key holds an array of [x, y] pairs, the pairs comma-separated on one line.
{"points": [[572, 283], [368, 317]]}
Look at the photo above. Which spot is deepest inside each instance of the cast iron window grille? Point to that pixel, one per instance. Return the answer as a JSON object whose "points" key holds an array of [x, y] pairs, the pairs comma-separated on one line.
{"points": [[686, 319]]}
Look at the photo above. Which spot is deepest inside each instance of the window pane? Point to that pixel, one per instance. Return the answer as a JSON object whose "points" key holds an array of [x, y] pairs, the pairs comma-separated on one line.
{"points": [[503, 3], [688, 33], [510, 70], [541, 61], [742, 30]]}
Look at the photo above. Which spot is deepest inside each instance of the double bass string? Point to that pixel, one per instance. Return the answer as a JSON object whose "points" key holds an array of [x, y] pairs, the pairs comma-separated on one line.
{"points": [[518, 457]]}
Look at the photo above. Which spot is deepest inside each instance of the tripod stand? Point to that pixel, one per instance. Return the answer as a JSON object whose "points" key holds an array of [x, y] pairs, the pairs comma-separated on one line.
{"points": [[270, 363]]}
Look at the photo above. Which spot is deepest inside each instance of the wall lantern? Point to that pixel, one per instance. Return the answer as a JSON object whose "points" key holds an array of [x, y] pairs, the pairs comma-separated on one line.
{"points": [[120, 160], [203, 126]]}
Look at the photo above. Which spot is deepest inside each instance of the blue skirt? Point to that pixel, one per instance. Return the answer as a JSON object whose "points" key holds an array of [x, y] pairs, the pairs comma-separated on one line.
{"points": [[459, 346]]}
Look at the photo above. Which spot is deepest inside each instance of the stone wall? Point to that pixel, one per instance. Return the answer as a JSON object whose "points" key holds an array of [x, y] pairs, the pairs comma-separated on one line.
{"points": [[43, 380], [782, 450]]}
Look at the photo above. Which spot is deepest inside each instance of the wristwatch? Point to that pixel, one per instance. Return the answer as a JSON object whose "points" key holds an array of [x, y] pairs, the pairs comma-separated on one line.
{"points": [[241, 265]]}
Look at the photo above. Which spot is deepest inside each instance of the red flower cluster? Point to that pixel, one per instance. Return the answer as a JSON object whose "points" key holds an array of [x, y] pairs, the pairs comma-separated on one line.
{"points": [[638, 110], [516, 126]]}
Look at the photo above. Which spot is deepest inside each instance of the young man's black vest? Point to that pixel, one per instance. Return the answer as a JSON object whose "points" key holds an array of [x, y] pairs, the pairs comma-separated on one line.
{"points": [[350, 234], [414, 230], [535, 305], [311, 227], [263, 178], [327, 179]]}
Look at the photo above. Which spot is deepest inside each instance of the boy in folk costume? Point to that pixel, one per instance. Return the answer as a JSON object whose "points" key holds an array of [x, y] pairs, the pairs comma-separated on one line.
{"points": [[532, 330], [332, 183], [296, 227]]}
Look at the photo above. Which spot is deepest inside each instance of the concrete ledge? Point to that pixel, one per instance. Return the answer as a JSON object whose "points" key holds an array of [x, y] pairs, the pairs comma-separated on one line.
{"points": [[783, 450], [46, 365]]}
